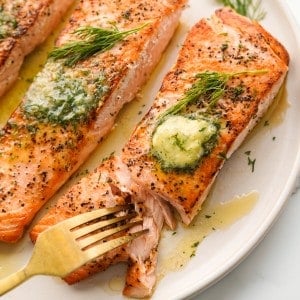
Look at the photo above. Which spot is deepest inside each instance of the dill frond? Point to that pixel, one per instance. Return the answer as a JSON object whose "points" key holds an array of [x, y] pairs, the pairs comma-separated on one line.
{"points": [[93, 40], [248, 8], [210, 86]]}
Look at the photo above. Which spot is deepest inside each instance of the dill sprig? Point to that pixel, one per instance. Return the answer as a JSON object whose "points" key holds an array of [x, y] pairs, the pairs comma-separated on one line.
{"points": [[248, 8], [210, 86], [93, 40]]}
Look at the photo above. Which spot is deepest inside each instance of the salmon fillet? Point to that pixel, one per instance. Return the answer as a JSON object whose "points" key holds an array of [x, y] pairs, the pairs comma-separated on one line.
{"points": [[69, 109], [110, 185], [215, 49], [137, 177], [23, 26]]}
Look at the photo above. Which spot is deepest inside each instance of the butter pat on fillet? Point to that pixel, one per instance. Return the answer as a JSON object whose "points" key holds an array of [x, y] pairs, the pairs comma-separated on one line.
{"points": [[70, 107], [228, 72]]}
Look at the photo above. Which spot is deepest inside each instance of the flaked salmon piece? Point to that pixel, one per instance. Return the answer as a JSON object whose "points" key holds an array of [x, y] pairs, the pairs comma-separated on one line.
{"points": [[228, 72], [24, 25], [143, 252], [68, 109], [107, 186], [101, 188]]}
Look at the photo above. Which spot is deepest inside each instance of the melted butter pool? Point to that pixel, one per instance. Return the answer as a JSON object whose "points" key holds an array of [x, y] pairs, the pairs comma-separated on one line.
{"points": [[180, 246]]}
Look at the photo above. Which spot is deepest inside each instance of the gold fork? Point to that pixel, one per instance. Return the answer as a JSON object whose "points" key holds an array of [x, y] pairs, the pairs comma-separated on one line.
{"points": [[72, 243]]}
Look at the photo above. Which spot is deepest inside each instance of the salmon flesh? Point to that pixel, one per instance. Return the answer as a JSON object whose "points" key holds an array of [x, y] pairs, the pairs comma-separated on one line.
{"points": [[69, 109]]}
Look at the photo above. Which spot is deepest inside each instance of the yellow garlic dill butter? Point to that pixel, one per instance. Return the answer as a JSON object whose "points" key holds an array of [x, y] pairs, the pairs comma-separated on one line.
{"points": [[179, 142]]}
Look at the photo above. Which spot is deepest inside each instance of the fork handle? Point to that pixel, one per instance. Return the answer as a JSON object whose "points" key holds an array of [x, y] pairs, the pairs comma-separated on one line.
{"points": [[11, 281]]}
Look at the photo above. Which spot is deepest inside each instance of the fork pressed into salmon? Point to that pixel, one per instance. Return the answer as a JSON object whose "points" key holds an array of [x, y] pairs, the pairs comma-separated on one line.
{"points": [[110, 185], [69, 108], [24, 24], [228, 72]]}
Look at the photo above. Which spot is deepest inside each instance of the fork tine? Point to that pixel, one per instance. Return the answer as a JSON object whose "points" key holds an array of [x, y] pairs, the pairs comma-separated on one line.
{"points": [[95, 214], [94, 238], [98, 250], [77, 233]]}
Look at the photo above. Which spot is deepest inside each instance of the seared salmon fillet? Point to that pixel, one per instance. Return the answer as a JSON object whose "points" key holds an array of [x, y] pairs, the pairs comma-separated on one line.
{"points": [[72, 103], [24, 24], [110, 185], [227, 74]]}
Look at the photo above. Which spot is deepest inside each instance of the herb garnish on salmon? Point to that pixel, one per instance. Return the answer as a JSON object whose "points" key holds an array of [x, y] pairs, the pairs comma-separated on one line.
{"points": [[69, 109], [92, 40]]}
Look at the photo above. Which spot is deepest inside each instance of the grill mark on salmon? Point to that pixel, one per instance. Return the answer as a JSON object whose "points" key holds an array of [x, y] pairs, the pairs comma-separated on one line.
{"points": [[25, 24], [224, 43], [41, 148]]}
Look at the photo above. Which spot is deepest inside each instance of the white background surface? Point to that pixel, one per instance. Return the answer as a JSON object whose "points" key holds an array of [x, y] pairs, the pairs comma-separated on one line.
{"points": [[272, 270]]}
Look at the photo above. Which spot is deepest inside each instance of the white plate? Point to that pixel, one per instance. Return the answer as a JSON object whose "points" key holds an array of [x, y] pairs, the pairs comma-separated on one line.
{"points": [[277, 164]]}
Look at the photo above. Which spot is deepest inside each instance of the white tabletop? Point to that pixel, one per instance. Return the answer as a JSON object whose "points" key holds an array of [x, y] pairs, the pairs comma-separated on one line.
{"points": [[272, 270]]}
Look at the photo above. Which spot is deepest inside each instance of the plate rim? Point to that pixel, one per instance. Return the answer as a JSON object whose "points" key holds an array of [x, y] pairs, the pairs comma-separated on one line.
{"points": [[285, 195]]}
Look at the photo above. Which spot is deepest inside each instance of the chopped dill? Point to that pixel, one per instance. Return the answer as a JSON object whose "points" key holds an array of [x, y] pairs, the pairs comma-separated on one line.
{"points": [[251, 163], [237, 91], [224, 47], [222, 155], [195, 245]]}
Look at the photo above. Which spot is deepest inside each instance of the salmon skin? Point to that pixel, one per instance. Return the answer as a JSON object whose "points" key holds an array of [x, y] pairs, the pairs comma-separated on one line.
{"points": [[68, 109], [226, 54], [136, 176], [23, 26]]}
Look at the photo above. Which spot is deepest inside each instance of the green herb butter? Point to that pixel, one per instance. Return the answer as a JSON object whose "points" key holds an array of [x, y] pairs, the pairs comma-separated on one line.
{"points": [[63, 96], [8, 23], [180, 142]]}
